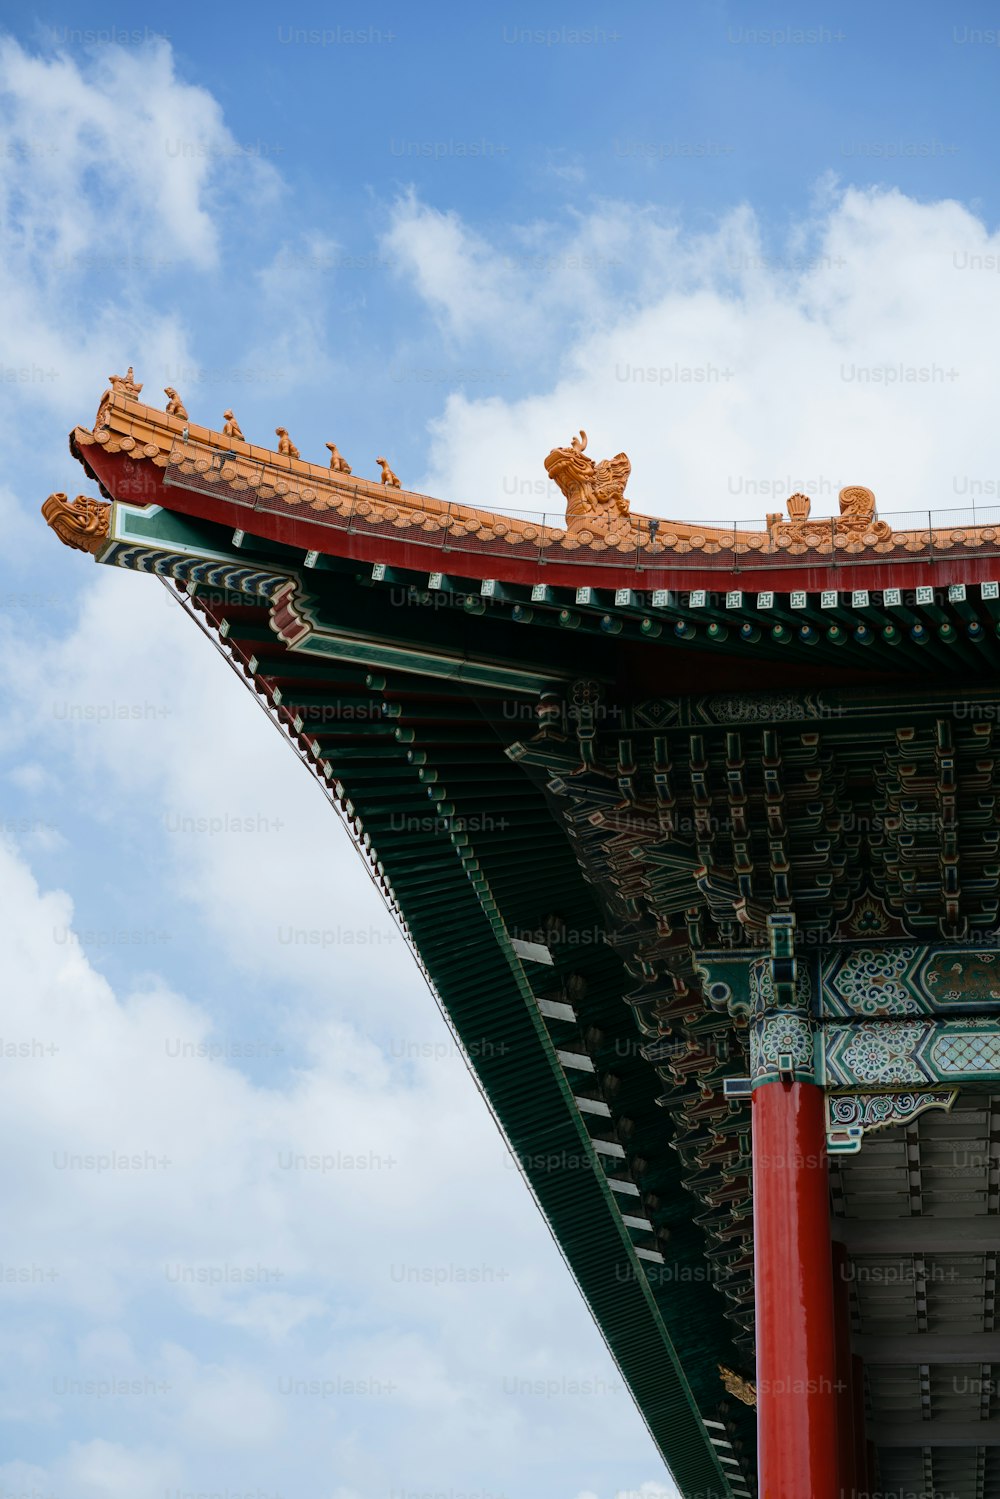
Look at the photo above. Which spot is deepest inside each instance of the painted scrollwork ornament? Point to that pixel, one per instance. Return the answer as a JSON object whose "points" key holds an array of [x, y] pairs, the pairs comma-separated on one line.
{"points": [[742, 1389]]}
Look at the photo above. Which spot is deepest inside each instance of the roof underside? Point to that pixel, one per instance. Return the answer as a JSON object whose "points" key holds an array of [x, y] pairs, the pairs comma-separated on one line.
{"points": [[804, 753]]}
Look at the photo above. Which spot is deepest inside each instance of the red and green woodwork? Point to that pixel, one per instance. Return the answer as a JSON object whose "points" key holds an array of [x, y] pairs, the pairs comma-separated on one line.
{"points": [[707, 877]]}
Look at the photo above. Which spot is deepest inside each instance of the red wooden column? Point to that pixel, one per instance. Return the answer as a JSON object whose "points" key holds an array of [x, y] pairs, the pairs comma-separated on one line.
{"points": [[798, 1455]]}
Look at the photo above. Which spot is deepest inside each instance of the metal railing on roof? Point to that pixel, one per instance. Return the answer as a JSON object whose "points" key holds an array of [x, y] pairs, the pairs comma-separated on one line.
{"points": [[360, 507]]}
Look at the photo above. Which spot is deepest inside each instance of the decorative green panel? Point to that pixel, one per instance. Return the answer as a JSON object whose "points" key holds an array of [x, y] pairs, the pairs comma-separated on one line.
{"points": [[885, 1055], [895, 980]]}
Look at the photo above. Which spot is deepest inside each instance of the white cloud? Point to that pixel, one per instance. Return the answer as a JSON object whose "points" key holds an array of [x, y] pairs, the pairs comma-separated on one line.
{"points": [[109, 1470], [125, 1112], [124, 157], [180, 1176], [294, 292], [858, 352], [223, 1407], [478, 289], [134, 704], [112, 174]]}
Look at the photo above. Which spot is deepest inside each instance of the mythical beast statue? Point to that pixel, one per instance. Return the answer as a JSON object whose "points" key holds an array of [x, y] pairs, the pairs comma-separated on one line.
{"points": [[595, 492]]}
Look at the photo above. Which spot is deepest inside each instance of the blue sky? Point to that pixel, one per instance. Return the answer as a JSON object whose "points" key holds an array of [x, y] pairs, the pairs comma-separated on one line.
{"points": [[757, 249]]}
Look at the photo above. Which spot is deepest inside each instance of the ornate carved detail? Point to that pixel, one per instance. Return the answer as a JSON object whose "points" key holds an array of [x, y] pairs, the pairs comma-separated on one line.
{"points": [[175, 406], [857, 504], [585, 699], [882, 1055], [231, 427], [82, 523], [857, 512], [293, 614], [782, 1041], [762, 996], [716, 986], [338, 463], [118, 385], [732, 708], [594, 492], [551, 712], [900, 979], [795, 531], [126, 385], [762, 707], [784, 532], [744, 985], [657, 712], [849, 1117], [286, 447], [962, 977], [737, 1386], [779, 1043], [390, 479], [871, 981], [869, 917], [856, 521], [230, 577], [970, 1050]]}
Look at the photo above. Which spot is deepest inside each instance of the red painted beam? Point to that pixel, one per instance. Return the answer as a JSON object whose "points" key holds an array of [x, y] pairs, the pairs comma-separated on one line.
{"points": [[797, 1380]]}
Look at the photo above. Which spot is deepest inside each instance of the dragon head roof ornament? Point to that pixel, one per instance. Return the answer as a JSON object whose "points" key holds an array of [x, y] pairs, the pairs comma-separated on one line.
{"points": [[594, 492], [81, 523]]}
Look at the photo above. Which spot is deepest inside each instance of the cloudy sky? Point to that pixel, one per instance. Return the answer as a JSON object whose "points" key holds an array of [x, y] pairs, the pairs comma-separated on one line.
{"points": [[758, 250]]}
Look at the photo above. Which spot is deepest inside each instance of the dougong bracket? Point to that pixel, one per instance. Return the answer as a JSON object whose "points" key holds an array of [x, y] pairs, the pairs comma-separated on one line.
{"points": [[781, 1032]]}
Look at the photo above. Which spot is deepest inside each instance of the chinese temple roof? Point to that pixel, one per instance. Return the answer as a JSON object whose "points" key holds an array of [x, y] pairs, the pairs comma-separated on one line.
{"points": [[580, 755]]}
